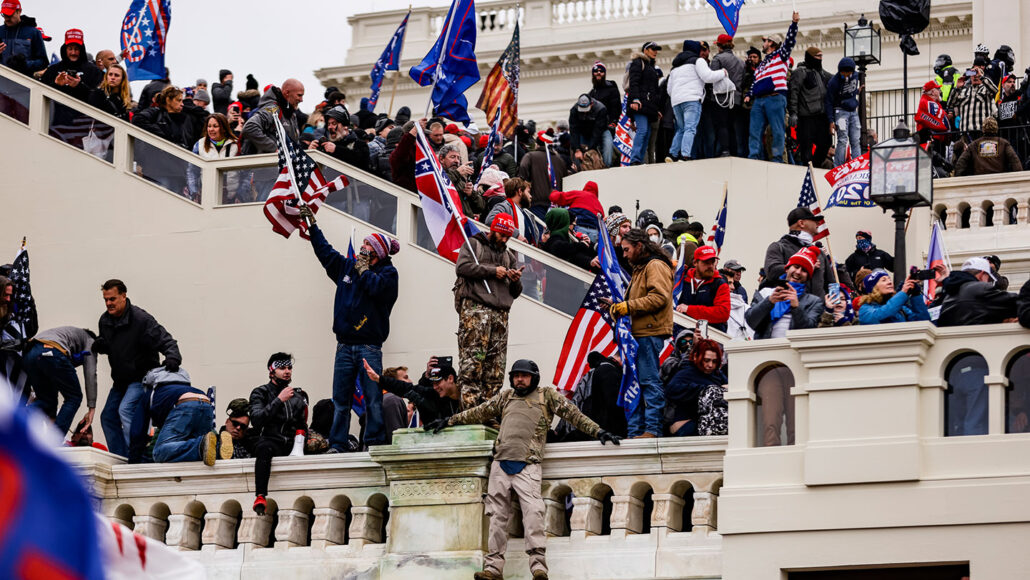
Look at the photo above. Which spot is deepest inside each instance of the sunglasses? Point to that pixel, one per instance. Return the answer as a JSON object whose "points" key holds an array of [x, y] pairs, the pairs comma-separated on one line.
{"points": [[238, 424]]}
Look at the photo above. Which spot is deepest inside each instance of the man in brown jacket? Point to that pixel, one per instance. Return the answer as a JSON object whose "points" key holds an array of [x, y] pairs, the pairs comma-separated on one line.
{"points": [[988, 154], [649, 306], [489, 280]]}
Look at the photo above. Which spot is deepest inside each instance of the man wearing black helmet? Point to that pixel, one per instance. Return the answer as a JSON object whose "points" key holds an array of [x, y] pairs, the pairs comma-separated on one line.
{"points": [[340, 141], [525, 412], [946, 76], [1003, 63]]}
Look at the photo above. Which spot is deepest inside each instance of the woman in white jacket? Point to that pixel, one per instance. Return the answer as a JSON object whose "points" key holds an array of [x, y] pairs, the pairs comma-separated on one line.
{"points": [[218, 142], [686, 86]]}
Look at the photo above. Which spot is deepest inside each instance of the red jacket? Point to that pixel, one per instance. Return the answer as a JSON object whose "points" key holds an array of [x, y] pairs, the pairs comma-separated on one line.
{"points": [[710, 302], [931, 115], [585, 201]]}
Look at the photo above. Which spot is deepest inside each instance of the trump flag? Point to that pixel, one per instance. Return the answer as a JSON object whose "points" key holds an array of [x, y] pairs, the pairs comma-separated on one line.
{"points": [[850, 184], [144, 34]]}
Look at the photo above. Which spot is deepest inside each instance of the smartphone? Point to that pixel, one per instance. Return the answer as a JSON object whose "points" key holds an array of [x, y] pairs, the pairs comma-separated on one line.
{"points": [[781, 284], [702, 328], [444, 361], [834, 292], [917, 274]]}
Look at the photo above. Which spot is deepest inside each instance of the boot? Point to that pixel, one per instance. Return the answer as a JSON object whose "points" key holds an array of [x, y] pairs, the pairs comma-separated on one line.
{"points": [[539, 575], [259, 505], [487, 575]]}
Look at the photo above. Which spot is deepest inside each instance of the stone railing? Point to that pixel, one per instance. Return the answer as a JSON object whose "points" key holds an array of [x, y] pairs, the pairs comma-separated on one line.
{"points": [[980, 201], [414, 508]]}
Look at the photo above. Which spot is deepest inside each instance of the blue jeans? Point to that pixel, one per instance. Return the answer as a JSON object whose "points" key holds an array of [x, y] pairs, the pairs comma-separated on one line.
{"points": [[589, 231], [116, 418], [849, 131], [687, 116], [51, 374], [649, 414], [642, 139], [182, 434], [768, 110], [348, 369], [607, 147]]}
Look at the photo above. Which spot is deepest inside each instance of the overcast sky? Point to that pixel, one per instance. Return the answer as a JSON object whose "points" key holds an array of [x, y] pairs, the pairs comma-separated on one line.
{"points": [[273, 40]]}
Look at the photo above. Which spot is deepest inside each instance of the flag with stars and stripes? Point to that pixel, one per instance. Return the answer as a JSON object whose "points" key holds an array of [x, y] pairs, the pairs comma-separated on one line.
{"points": [[495, 137], [591, 330], [441, 206], [550, 168], [719, 229], [282, 208], [629, 391], [624, 135], [358, 399], [500, 98], [809, 199], [144, 35], [22, 324]]}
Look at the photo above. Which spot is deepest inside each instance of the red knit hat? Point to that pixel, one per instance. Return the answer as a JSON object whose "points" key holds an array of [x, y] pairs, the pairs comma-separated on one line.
{"points": [[806, 258]]}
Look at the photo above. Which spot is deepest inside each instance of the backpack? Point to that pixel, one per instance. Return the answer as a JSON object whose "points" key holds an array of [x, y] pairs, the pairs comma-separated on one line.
{"points": [[724, 93]]}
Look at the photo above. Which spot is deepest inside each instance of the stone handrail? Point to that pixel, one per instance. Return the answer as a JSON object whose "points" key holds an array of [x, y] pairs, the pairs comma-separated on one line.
{"points": [[421, 495], [991, 200]]}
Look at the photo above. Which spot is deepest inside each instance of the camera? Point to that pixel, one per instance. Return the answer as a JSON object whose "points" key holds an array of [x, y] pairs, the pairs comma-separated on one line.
{"points": [[917, 274]]}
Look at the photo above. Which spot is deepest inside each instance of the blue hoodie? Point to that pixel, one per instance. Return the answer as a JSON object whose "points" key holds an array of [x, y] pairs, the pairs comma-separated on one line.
{"points": [[24, 40], [842, 93]]}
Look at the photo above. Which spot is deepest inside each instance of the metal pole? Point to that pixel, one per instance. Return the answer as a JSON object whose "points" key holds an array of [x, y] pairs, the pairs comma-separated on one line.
{"points": [[866, 142], [439, 60], [904, 92], [900, 272]]}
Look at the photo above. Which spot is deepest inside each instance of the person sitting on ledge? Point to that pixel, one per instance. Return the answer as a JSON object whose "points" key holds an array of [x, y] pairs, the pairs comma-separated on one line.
{"points": [[525, 412], [237, 426], [436, 395]]}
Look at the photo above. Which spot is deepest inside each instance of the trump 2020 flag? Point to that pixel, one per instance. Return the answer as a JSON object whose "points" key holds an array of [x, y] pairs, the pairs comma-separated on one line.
{"points": [[450, 65], [629, 390], [850, 184], [728, 12], [389, 60], [144, 34], [624, 136]]}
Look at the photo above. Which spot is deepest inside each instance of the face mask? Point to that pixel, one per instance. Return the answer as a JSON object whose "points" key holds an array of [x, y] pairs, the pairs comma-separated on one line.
{"points": [[654, 238], [864, 244], [320, 124], [806, 238]]}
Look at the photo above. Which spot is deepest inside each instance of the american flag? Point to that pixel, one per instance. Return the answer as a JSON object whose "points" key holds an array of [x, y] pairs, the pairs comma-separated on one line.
{"points": [[624, 135], [500, 96], [358, 399], [591, 329], [283, 203], [23, 323], [680, 274], [550, 168], [809, 199], [629, 392], [719, 229], [495, 136]]}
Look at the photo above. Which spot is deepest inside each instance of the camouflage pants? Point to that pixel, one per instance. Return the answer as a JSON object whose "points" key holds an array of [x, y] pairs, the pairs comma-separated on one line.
{"points": [[482, 349]]}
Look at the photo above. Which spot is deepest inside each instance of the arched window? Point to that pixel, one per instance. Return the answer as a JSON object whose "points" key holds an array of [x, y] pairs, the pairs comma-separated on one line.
{"points": [[1017, 396], [774, 412], [965, 404]]}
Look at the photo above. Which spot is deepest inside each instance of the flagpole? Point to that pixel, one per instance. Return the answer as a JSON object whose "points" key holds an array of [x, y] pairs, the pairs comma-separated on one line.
{"points": [[396, 78], [725, 192], [829, 250], [289, 163], [439, 60]]}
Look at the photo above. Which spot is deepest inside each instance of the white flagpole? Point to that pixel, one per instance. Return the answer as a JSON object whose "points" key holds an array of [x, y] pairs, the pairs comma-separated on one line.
{"points": [[281, 131], [829, 250], [440, 57]]}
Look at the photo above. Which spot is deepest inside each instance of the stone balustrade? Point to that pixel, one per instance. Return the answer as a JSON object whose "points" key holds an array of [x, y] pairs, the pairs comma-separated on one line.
{"points": [[414, 509]]}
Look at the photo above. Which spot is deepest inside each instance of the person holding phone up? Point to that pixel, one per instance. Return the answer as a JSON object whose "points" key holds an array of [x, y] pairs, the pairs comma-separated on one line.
{"points": [[787, 304]]}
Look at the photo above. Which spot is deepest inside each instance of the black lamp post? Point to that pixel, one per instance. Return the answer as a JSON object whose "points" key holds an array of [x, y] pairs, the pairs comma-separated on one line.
{"points": [[862, 44], [900, 178]]}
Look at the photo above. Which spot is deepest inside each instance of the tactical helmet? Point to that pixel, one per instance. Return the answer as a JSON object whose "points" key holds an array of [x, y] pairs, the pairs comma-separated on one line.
{"points": [[525, 366]]}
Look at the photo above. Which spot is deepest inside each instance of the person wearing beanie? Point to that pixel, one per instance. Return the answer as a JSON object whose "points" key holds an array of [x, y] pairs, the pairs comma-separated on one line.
{"points": [[880, 304], [502, 159], [841, 104], [366, 118], [489, 279], [236, 434], [588, 123], [988, 154], [73, 75], [366, 291], [201, 98], [221, 92], [806, 107], [776, 308], [867, 255], [607, 92], [377, 146]]}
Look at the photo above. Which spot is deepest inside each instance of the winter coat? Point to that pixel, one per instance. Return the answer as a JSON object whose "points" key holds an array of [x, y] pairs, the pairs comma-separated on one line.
{"points": [[806, 91], [146, 98], [221, 96], [596, 395], [469, 283], [684, 389], [533, 168], [1023, 305], [77, 344], [900, 308], [111, 104], [259, 132], [874, 259], [430, 405], [609, 95], [573, 252], [689, 75], [583, 204], [25, 52], [968, 301], [89, 78], [643, 85], [780, 251], [734, 68], [402, 163], [841, 93], [805, 315], [472, 204], [587, 128], [503, 160], [649, 298], [227, 150], [986, 155], [931, 117], [352, 151], [711, 300], [180, 128], [528, 225], [272, 418], [361, 309], [132, 343]]}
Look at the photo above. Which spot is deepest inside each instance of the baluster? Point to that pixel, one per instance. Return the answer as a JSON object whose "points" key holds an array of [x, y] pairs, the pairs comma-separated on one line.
{"points": [[330, 528], [703, 514], [1022, 210], [292, 530], [951, 221], [219, 530], [255, 529], [554, 516], [183, 532], [366, 526], [668, 511], [1001, 214], [627, 515], [151, 527], [586, 517], [976, 217]]}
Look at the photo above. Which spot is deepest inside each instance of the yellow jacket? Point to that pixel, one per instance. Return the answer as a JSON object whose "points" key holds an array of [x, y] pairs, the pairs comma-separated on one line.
{"points": [[649, 298]]}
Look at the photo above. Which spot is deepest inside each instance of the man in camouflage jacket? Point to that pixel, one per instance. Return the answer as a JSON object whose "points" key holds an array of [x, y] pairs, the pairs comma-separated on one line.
{"points": [[525, 412]]}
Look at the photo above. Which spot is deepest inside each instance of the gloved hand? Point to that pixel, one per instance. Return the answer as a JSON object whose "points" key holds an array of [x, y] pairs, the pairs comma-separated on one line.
{"points": [[604, 437], [306, 214], [100, 346], [436, 426], [618, 310], [171, 365], [361, 264], [792, 120]]}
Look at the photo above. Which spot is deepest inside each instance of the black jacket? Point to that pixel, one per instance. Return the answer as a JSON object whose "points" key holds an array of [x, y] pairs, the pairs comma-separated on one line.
{"points": [[573, 252], [609, 95], [132, 343], [111, 104], [352, 151], [684, 389], [597, 397], [1023, 305], [183, 128], [221, 96], [90, 76], [780, 251], [968, 301], [587, 128], [430, 405], [146, 98], [272, 418], [643, 85], [875, 258]]}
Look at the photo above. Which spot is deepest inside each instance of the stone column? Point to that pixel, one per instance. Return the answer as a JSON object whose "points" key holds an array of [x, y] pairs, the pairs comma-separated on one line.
{"points": [[183, 532], [366, 526], [292, 530], [255, 529], [151, 527], [330, 528], [976, 217], [951, 220], [668, 512], [554, 517], [437, 528], [219, 531], [586, 517], [1001, 214], [627, 515], [1022, 211], [703, 515]]}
